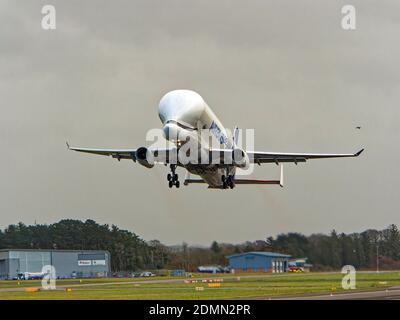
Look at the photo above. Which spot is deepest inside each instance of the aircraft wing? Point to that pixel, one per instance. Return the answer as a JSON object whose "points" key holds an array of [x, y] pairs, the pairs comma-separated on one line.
{"points": [[277, 157], [115, 153], [159, 155], [162, 155]]}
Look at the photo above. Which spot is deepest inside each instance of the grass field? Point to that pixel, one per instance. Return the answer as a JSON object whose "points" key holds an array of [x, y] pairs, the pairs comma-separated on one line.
{"points": [[231, 287]]}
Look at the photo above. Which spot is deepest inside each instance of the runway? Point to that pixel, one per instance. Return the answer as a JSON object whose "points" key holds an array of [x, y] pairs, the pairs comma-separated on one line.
{"points": [[392, 293]]}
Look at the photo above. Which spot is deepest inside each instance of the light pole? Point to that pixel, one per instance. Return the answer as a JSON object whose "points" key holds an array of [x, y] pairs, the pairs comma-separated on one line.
{"points": [[377, 258]]}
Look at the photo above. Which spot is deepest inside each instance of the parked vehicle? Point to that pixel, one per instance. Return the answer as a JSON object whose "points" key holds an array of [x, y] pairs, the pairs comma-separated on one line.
{"points": [[213, 269], [296, 269], [30, 276], [147, 274]]}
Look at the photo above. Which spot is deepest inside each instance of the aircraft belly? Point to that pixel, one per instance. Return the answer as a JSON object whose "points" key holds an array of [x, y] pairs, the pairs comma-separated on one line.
{"points": [[212, 175], [212, 179]]}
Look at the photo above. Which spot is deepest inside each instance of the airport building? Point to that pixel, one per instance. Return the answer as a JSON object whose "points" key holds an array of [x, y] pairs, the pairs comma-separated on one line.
{"points": [[67, 263], [259, 261]]}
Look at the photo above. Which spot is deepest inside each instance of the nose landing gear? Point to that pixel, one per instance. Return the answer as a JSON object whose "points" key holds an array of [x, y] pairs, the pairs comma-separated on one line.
{"points": [[173, 177]]}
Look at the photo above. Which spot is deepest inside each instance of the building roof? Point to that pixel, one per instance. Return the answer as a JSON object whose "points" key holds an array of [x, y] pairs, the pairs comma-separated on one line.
{"points": [[51, 250], [261, 253]]}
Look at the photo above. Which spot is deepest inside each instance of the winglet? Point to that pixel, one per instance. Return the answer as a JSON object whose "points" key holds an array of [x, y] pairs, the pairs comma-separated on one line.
{"points": [[67, 144], [358, 153], [281, 178]]}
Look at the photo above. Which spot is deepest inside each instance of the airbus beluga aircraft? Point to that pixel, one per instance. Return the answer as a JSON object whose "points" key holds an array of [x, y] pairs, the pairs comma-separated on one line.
{"points": [[184, 113]]}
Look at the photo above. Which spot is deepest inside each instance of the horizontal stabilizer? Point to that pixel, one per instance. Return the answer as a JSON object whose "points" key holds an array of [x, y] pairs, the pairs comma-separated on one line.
{"points": [[253, 181], [237, 181], [189, 181]]}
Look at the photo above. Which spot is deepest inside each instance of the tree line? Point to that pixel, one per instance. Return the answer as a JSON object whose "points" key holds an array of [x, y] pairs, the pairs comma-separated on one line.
{"points": [[324, 251], [130, 253], [362, 250]]}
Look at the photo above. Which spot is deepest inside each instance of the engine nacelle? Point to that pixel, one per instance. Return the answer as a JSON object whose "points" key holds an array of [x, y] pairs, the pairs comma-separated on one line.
{"points": [[145, 157], [240, 158]]}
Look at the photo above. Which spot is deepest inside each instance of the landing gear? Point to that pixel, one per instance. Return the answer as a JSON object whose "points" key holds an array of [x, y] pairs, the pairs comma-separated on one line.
{"points": [[231, 182], [228, 182], [173, 177]]}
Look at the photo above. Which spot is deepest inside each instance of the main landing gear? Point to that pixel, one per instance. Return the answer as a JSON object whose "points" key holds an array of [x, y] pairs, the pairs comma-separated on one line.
{"points": [[228, 182], [173, 177]]}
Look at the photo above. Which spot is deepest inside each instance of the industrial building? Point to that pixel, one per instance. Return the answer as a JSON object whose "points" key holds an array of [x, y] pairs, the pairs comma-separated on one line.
{"points": [[259, 261], [67, 263]]}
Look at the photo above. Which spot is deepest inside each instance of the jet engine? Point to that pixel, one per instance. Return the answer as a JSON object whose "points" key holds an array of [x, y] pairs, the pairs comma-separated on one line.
{"points": [[240, 158], [145, 157]]}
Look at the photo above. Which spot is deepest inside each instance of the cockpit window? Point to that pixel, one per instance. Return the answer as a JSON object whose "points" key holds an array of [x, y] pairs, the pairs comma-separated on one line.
{"points": [[181, 125]]}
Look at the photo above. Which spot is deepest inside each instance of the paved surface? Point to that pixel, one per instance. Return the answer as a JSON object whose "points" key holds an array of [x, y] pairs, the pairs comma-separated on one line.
{"points": [[392, 293]]}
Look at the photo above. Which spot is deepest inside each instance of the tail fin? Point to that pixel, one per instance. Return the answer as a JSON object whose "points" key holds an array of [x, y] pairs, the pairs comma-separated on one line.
{"points": [[235, 136]]}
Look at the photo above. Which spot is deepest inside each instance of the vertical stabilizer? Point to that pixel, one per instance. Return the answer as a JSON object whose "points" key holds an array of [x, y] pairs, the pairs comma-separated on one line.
{"points": [[235, 136]]}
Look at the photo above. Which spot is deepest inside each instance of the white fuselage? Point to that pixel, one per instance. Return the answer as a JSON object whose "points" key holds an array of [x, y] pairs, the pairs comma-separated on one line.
{"points": [[184, 112], [204, 147]]}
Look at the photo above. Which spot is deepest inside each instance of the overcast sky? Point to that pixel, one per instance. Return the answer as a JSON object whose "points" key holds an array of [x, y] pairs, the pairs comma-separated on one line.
{"points": [[285, 68]]}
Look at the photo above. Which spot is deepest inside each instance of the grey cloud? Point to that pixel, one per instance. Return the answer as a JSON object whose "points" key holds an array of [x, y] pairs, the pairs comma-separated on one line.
{"points": [[285, 68]]}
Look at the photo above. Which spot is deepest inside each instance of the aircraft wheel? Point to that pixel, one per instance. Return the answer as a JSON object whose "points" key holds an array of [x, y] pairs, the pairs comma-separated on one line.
{"points": [[177, 184], [224, 185], [169, 177], [175, 177], [170, 184]]}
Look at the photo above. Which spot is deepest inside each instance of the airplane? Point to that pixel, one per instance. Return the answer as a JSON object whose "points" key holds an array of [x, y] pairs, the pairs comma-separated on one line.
{"points": [[185, 113], [30, 275]]}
